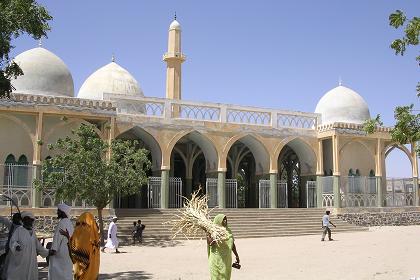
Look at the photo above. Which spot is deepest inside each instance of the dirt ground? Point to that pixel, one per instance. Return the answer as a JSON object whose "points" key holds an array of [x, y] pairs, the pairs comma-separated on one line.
{"points": [[380, 253]]}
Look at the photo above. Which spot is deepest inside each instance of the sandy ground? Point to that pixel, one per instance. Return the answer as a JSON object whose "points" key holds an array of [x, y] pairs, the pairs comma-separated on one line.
{"points": [[381, 253]]}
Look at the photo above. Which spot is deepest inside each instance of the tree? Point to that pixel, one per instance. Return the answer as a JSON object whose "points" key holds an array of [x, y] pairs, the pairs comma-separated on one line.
{"points": [[407, 127], [18, 17], [411, 35], [81, 169]]}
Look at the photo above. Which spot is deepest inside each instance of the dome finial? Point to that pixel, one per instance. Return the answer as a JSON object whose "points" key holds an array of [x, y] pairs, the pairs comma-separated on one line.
{"points": [[175, 16], [113, 58], [340, 81], [40, 42]]}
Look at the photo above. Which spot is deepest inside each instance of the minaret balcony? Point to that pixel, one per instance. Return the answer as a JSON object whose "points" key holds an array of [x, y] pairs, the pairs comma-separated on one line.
{"points": [[174, 56]]}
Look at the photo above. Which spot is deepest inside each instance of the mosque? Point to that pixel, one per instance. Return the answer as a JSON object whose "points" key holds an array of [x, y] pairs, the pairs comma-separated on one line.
{"points": [[242, 157]]}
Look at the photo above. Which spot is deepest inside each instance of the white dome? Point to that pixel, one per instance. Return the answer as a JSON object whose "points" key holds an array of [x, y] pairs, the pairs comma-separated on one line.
{"points": [[111, 78], [342, 104], [175, 25], [44, 73]]}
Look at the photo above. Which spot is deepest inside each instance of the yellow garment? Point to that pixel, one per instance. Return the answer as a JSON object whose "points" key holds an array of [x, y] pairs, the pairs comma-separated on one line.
{"points": [[85, 248], [220, 256]]}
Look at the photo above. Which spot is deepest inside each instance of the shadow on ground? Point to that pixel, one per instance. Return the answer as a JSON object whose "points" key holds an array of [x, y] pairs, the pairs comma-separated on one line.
{"points": [[43, 275], [153, 241], [126, 275]]}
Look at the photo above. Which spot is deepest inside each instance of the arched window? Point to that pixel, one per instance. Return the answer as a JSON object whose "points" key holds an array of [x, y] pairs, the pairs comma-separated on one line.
{"points": [[357, 172], [351, 172], [22, 172], [371, 173], [8, 170]]}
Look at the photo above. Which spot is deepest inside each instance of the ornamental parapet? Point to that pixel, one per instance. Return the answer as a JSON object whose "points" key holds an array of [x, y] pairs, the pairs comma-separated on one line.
{"points": [[170, 109], [59, 101], [349, 127]]}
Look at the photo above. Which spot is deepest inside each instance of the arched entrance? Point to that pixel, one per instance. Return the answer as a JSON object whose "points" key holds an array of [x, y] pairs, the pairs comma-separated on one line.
{"points": [[296, 166], [146, 141], [193, 159]]}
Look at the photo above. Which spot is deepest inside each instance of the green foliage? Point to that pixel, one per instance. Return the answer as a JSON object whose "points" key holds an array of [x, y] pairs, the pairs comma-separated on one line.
{"points": [[370, 125], [407, 127], [411, 35], [82, 171], [18, 17]]}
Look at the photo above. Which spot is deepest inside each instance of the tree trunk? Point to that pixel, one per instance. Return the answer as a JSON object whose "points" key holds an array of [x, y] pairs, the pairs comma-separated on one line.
{"points": [[101, 225]]}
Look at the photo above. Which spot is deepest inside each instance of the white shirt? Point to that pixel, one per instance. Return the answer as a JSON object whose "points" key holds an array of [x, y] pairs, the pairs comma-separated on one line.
{"points": [[325, 220], [61, 266], [23, 264], [113, 241]]}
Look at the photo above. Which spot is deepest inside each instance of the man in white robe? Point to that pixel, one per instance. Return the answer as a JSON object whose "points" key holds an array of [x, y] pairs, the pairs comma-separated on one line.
{"points": [[24, 248], [112, 241], [61, 266]]}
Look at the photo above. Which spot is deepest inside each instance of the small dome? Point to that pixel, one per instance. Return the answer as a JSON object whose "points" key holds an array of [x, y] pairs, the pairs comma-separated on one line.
{"points": [[175, 25], [342, 104], [111, 78], [44, 73]]}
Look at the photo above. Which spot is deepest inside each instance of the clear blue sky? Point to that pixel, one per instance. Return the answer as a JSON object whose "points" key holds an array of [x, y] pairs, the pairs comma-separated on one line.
{"points": [[276, 54]]}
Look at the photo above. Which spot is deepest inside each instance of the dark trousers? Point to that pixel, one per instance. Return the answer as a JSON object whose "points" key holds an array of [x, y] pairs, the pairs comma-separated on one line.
{"points": [[324, 232]]}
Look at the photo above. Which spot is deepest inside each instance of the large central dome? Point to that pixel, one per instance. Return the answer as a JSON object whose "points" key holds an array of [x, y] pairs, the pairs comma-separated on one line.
{"points": [[342, 104], [111, 78]]}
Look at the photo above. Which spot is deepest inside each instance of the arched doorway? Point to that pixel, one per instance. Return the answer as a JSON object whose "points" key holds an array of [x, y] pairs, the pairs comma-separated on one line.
{"points": [[296, 166], [145, 141], [289, 172]]}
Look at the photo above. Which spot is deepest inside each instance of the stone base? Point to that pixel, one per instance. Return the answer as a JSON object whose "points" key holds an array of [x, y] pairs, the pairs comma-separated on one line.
{"points": [[395, 216]]}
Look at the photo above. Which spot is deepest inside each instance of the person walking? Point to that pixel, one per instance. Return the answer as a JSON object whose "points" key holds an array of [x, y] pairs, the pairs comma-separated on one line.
{"points": [[83, 247], [325, 226], [24, 248], [60, 264], [220, 255], [112, 241]]}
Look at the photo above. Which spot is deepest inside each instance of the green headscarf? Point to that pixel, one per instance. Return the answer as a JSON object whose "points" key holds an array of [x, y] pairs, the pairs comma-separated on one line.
{"points": [[220, 255]]}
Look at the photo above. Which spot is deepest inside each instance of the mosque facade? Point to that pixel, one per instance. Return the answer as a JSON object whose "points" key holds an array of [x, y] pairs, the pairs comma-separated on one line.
{"points": [[240, 156]]}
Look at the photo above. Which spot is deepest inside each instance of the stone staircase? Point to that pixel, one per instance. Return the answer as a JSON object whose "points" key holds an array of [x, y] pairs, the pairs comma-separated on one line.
{"points": [[245, 223]]}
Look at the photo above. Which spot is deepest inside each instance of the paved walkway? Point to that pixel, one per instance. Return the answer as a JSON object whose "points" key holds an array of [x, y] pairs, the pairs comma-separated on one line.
{"points": [[381, 253]]}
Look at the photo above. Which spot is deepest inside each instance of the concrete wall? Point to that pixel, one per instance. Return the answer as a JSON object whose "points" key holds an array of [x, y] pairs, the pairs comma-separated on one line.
{"points": [[354, 155]]}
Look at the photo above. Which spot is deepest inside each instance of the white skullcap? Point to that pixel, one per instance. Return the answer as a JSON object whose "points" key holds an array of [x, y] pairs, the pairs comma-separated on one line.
{"points": [[115, 217], [65, 208], [27, 214]]}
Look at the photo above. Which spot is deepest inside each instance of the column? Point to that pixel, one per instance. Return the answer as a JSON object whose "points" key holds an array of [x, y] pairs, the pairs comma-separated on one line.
{"points": [[378, 174], [37, 164], [164, 189], [336, 172], [273, 190], [319, 191], [319, 174], [221, 190], [111, 137], [414, 156]]}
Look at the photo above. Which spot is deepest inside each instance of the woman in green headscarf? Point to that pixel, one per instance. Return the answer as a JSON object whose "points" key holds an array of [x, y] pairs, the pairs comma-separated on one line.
{"points": [[220, 255]]}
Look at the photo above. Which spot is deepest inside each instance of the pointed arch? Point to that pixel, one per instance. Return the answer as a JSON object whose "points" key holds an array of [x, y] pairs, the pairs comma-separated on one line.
{"points": [[256, 145]]}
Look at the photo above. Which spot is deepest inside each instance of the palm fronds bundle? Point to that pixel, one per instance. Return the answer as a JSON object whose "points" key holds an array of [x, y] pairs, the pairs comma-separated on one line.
{"points": [[194, 218]]}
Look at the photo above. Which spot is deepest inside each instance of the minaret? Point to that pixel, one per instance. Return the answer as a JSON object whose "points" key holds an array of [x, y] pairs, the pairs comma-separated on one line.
{"points": [[174, 58]]}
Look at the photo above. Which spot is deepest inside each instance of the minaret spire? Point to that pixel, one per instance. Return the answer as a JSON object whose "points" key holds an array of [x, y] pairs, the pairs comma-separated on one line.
{"points": [[174, 58]]}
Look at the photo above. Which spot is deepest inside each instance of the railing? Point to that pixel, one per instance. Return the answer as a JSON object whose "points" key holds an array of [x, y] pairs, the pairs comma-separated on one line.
{"points": [[399, 192], [211, 191], [213, 112], [231, 193], [16, 180], [327, 191], [175, 192], [282, 199], [264, 193], [358, 191], [311, 197], [153, 191]]}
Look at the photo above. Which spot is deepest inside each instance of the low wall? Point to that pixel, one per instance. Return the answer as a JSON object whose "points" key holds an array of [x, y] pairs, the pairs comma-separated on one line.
{"points": [[393, 216], [46, 218]]}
